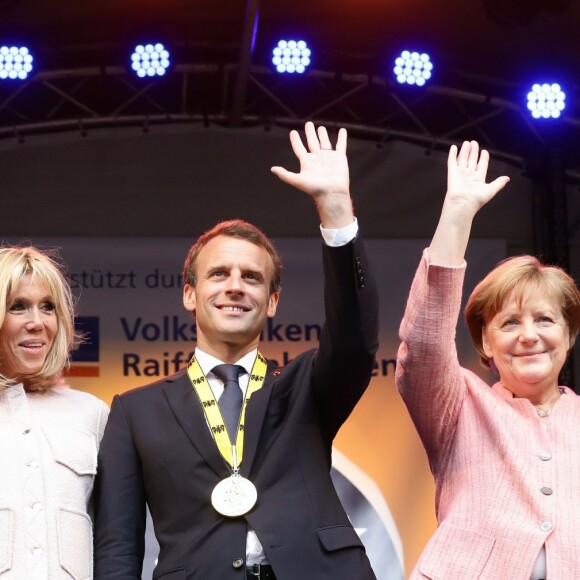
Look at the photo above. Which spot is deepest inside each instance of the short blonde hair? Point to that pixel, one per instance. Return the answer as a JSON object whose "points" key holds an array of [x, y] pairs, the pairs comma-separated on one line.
{"points": [[521, 274], [15, 264]]}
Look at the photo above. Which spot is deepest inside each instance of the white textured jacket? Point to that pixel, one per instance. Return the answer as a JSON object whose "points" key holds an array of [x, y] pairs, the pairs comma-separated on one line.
{"points": [[48, 461]]}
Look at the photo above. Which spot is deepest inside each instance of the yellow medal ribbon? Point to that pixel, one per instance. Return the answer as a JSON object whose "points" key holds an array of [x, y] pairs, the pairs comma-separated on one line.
{"points": [[212, 411]]}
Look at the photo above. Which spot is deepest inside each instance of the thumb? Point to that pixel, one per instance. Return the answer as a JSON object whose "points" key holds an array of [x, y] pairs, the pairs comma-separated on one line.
{"points": [[284, 175], [499, 183]]}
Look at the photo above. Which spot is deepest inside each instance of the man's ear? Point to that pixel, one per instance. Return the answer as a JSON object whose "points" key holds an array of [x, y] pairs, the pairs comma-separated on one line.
{"points": [[189, 298], [273, 304]]}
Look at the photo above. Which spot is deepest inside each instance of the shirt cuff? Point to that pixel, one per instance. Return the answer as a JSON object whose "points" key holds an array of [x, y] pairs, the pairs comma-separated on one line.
{"points": [[340, 237]]}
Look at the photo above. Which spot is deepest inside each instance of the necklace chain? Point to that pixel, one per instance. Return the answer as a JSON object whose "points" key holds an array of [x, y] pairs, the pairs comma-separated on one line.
{"points": [[542, 411]]}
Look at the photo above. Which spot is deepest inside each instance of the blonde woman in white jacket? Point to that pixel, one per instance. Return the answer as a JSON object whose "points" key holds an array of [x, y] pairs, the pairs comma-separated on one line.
{"points": [[49, 433]]}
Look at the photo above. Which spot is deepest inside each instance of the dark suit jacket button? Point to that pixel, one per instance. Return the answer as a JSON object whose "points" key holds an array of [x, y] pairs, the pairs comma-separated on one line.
{"points": [[238, 563]]}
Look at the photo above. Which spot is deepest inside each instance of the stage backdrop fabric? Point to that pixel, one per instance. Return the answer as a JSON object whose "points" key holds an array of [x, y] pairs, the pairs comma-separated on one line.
{"points": [[130, 307]]}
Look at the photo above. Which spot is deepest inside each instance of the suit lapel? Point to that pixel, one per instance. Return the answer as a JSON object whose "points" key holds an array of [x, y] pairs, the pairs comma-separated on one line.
{"points": [[189, 414], [255, 414]]}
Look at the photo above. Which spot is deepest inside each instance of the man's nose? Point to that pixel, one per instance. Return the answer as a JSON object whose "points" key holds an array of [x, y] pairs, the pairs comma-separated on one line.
{"points": [[234, 283]]}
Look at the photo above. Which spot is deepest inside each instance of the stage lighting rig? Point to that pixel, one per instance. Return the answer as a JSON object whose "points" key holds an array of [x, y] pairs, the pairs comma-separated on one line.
{"points": [[546, 101], [150, 60], [291, 56], [15, 62], [413, 68]]}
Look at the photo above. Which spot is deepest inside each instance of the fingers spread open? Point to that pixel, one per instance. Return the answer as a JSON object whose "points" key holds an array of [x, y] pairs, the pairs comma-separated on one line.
{"points": [[483, 163], [311, 137], [473, 154], [452, 158], [463, 156], [341, 141], [323, 139], [297, 145]]}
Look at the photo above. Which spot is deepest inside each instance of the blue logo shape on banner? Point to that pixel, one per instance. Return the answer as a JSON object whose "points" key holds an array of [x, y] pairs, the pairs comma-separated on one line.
{"points": [[88, 328]]}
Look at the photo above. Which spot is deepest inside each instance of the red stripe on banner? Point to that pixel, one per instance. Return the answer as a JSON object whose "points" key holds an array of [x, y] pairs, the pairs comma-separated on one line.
{"points": [[83, 371]]}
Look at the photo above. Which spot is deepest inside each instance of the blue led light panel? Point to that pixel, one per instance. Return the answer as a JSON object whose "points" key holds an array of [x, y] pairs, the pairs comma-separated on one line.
{"points": [[291, 56], [546, 101], [150, 60], [413, 68], [15, 62]]}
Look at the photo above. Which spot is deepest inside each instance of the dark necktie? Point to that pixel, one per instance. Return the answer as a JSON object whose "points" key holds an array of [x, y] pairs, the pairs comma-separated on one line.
{"points": [[230, 402]]}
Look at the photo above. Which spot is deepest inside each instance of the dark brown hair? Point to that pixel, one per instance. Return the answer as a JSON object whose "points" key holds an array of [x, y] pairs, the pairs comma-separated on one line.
{"points": [[234, 229]]}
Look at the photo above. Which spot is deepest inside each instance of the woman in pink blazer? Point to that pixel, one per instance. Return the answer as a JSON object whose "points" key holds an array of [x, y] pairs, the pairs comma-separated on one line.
{"points": [[506, 458]]}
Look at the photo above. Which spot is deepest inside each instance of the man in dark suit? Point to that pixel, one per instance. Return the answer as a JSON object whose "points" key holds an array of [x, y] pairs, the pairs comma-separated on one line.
{"points": [[255, 499]]}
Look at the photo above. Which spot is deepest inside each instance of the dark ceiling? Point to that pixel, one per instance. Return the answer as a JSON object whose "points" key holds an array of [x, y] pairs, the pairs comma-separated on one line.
{"points": [[486, 53], [502, 39]]}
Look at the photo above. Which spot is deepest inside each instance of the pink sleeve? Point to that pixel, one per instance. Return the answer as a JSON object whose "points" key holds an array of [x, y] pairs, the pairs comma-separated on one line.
{"points": [[428, 374]]}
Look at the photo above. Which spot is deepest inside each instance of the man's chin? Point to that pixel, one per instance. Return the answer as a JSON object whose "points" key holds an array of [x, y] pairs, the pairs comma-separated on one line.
{"points": [[238, 337]]}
